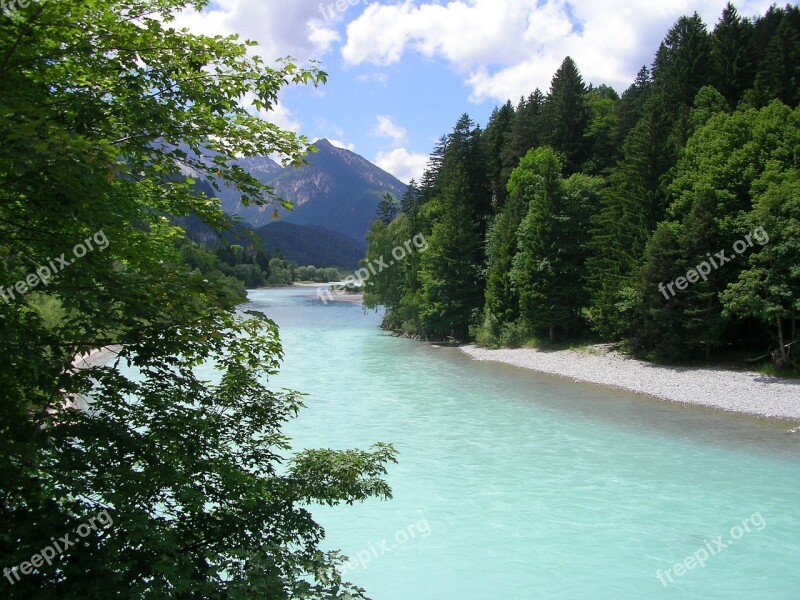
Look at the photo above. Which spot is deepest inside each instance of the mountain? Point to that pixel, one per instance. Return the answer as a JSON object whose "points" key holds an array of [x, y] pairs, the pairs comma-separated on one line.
{"points": [[337, 190], [303, 245], [310, 245]]}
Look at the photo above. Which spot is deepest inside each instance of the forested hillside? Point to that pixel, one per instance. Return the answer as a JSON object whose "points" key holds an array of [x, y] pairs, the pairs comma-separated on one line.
{"points": [[667, 218]]}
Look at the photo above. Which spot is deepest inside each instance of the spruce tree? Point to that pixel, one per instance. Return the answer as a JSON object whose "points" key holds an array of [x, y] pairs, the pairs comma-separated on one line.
{"points": [[496, 139], [682, 66], [464, 157], [567, 116], [630, 108], [452, 291], [410, 202], [780, 76], [528, 130], [732, 56], [553, 245], [632, 206], [388, 207]]}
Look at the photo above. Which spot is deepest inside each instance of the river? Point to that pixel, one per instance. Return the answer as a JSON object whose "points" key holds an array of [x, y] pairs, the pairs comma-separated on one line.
{"points": [[513, 485]]}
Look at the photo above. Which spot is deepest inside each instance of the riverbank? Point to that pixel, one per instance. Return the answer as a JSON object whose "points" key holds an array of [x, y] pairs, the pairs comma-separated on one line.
{"points": [[331, 296], [733, 391], [95, 356]]}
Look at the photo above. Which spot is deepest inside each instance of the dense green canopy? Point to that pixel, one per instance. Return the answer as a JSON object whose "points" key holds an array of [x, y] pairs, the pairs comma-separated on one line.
{"points": [[104, 106], [600, 201]]}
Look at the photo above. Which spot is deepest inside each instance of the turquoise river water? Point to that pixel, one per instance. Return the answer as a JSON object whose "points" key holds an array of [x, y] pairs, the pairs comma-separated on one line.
{"points": [[512, 485]]}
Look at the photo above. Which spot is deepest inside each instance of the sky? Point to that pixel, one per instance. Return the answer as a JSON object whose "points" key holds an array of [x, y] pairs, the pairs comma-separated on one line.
{"points": [[401, 73]]}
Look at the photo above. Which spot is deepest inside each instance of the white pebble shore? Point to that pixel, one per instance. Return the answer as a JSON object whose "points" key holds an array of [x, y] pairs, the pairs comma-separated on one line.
{"points": [[735, 391]]}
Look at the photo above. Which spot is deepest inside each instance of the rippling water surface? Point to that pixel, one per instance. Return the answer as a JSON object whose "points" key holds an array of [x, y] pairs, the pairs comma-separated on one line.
{"points": [[514, 486]]}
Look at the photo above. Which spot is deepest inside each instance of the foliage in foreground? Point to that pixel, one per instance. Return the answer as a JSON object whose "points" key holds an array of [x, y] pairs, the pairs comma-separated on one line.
{"points": [[101, 104]]}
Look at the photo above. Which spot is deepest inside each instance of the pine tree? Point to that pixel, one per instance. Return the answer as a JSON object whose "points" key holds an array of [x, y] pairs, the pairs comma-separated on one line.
{"points": [[703, 323], [528, 129], [632, 205], [683, 62], [764, 31], [780, 77], [496, 139], [388, 208], [452, 291], [553, 245], [630, 108], [410, 202], [430, 184], [262, 260], [682, 66], [732, 56], [566, 115], [654, 320], [464, 157]]}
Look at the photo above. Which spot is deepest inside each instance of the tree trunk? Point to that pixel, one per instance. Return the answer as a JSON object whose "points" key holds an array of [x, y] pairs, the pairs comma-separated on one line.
{"points": [[782, 358]]}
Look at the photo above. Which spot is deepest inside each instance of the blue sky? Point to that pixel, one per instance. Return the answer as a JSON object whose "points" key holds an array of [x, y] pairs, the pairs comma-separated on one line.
{"points": [[401, 73]]}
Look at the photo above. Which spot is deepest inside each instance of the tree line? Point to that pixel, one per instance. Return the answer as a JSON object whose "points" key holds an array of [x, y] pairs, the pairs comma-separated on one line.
{"points": [[238, 268], [561, 218]]}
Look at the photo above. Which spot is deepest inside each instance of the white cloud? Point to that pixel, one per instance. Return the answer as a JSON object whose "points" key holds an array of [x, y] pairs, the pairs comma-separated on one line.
{"points": [[378, 77], [402, 164], [295, 28], [283, 118], [335, 10], [506, 48], [322, 37], [331, 132], [386, 127], [343, 145]]}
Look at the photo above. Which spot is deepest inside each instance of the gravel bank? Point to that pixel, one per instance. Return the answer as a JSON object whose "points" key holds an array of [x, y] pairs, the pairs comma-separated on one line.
{"points": [[98, 355], [734, 391]]}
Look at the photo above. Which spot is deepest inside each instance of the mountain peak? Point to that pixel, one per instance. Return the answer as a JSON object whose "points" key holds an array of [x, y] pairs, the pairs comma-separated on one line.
{"points": [[336, 189], [324, 143]]}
